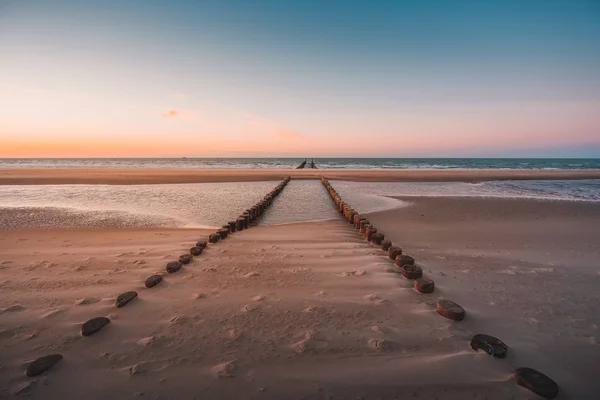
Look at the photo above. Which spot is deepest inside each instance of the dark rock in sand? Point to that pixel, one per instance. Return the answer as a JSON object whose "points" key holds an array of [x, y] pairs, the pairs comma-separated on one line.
{"points": [[214, 237], [202, 244], [377, 238], [94, 325], [411, 271], [491, 345], [386, 244], [196, 251], [125, 298], [173, 266], [424, 285], [42, 364], [185, 258], [403, 260], [394, 252], [153, 281], [450, 310], [537, 382]]}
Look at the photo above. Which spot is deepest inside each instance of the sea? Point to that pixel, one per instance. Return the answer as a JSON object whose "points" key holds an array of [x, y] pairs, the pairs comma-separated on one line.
{"points": [[362, 163], [208, 205]]}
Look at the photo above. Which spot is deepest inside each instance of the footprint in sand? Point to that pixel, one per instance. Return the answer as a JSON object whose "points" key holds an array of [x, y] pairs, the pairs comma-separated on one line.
{"points": [[148, 341], [382, 345], [198, 296], [360, 272], [234, 334], [249, 308], [86, 300], [13, 308], [260, 297], [225, 370], [252, 274]]}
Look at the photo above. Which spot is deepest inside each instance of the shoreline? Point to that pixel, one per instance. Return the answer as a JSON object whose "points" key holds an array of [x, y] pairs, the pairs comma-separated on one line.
{"points": [[145, 176]]}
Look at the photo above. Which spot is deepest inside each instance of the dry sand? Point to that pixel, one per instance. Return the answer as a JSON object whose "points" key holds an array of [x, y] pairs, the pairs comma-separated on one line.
{"points": [[130, 176], [309, 310]]}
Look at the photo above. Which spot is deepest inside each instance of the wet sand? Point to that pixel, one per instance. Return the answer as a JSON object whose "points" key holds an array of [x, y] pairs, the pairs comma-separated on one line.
{"points": [[131, 176], [309, 310]]}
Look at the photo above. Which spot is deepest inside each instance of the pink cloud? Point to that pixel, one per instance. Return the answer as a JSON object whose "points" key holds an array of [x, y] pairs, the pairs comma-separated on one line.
{"points": [[170, 114]]}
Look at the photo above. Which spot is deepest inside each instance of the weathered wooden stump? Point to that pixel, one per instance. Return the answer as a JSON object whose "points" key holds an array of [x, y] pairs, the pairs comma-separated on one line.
{"points": [[411, 271], [232, 226], [394, 252], [377, 238], [214, 237], [364, 223], [450, 310], [403, 259], [125, 298], [185, 258], [240, 223], [424, 285], [537, 382], [173, 266], [386, 244], [223, 233], [369, 232], [202, 244], [196, 251], [42, 364], [153, 281], [94, 325], [491, 345]]}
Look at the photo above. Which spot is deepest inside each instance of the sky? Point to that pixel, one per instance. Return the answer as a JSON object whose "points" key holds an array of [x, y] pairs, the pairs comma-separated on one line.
{"points": [[415, 78]]}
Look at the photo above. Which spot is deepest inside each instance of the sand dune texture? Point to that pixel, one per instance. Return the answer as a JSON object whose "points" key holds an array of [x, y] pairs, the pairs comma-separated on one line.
{"points": [[308, 310]]}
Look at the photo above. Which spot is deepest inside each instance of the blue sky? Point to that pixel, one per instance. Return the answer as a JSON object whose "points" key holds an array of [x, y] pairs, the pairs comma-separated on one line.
{"points": [[395, 78]]}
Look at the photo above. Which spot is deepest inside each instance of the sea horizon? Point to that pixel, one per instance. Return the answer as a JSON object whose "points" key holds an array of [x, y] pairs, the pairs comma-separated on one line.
{"points": [[321, 162]]}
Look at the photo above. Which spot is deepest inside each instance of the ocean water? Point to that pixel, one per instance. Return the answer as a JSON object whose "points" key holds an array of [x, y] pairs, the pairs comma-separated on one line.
{"points": [[213, 204], [365, 163]]}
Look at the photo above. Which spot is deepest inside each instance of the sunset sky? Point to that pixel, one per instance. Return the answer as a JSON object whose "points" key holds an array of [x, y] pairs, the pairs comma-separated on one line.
{"points": [[299, 78]]}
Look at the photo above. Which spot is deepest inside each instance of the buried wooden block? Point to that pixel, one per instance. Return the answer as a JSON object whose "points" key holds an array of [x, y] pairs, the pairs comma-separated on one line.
{"points": [[214, 237], [369, 232], [94, 325], [411, 271], [223, 233], [451, 310], [377, 238], [232, 226], [403, 259], [173, 266], [537, 382], [196, 251], [185, 258], [424, 285], [202, 244], [386, 244], [125, 298], [491, 345], [394, 252], [153, 281], [363, 225], [42, 364], [240, 223]]}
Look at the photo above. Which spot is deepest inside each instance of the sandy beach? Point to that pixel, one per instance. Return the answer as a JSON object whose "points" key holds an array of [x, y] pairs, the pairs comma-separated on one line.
{"points": [[309, 310], [132, 176]]}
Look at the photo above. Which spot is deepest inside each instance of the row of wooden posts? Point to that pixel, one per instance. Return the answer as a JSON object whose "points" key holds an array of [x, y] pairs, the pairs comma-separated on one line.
{"points": [[94, 325], [529, 378]]}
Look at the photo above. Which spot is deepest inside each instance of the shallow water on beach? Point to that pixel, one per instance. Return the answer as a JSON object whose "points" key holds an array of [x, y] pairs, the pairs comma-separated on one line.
{"points": [[179, 205], [213, 204]]}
